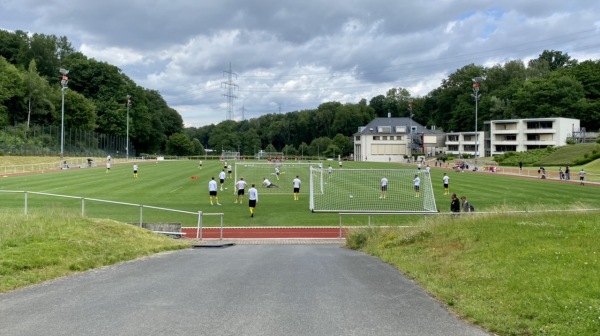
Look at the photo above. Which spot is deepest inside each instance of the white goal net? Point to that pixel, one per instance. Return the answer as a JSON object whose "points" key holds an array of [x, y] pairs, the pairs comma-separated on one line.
{"points": [[359, 190], [280, 175]]}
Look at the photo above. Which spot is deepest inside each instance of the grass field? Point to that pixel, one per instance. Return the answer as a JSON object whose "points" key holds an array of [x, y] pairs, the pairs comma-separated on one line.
{"points": [[169, 184]]}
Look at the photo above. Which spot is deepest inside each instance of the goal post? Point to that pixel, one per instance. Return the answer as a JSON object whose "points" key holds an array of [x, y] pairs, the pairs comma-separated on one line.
{"points": [[230, 156], [359, 190], [255, 172]]}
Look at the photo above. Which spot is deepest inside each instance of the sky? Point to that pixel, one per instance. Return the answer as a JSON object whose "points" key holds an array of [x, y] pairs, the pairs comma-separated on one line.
{"points": [[277, 56]]}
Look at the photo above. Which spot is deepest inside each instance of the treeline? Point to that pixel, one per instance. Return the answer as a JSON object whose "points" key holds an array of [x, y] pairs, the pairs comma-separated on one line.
{"points": [[552, 85], [96, 98]]}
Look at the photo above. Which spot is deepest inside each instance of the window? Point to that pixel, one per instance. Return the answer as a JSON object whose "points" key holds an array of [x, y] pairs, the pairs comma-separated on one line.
{"points": [[468, 138], [384, 137], [533, 137], [398, 137], [510, 138], [453, 148], [452, 137], [376, 137], [384, 129], [357, 138], [400, 129]]}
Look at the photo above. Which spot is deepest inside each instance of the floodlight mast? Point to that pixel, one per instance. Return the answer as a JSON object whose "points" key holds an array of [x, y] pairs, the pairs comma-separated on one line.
{"points": [[410, 142], [477, 96], [64, 81], [127, 141]]}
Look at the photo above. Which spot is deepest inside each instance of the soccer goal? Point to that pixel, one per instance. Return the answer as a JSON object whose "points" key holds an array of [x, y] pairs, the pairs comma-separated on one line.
{"points": [[230, 156], [359, 190], [256, 172]]}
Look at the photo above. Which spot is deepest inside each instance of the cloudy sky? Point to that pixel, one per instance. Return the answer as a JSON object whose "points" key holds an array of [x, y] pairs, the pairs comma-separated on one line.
{"points": [[289, 55]]}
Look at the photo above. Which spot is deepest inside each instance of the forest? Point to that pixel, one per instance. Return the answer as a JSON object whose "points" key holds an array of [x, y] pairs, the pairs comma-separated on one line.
{"points": [[551, 85]]}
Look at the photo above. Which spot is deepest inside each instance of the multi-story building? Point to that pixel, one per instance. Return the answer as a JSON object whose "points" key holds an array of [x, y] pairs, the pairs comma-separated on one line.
{"points": [[459, 143], [518, 135], [394, 139]]}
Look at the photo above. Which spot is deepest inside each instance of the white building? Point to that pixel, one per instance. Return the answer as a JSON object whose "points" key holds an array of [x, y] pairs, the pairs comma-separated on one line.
{"points": [[390, 140], [459, 143], [519, 135]]}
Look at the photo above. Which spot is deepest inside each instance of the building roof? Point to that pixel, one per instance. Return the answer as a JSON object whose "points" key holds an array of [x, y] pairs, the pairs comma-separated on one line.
{"points": [[372, 127]]}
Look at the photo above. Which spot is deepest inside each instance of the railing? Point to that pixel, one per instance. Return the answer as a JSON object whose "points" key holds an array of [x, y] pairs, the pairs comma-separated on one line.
{"points": [[141, 207]]}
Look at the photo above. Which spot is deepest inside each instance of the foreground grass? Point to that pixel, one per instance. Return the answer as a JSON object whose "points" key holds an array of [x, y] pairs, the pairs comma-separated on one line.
{"points": [[512, 274], [36, 248]]}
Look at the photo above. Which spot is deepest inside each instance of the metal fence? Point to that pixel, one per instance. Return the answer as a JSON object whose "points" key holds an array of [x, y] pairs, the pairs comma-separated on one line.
{"points": [[136, 213], [45, 140]]}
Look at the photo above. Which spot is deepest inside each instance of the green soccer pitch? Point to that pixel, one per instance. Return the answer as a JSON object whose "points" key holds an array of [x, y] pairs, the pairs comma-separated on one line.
{"points": [[170, 184]]}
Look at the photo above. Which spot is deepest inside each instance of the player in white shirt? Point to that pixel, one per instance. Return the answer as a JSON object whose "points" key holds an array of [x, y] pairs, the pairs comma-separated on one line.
{"points": [[330, 170], [222, 177], [230, 170], [384, 183], [296, 183], [241, 187], [108, 167], [268, 183], [446, 180], [212, 191], [252, 199], [277, 172], [135, 170], [417, 183]]}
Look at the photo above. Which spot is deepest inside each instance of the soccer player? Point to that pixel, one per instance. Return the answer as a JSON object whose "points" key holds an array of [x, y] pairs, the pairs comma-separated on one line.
{"points": [[296, 183], [252, 199], [229, 170], [427, 170], [108, 166], [340, 163], [135, 170], [241, 187], [222, 177], [581, 176], [212, 191], [446, 180], [417, 183], [200, 164], [268, 183], [277, 172], [384, 183], [330, 170]]}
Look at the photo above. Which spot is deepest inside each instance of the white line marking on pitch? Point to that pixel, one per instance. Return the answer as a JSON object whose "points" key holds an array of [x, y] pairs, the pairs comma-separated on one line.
{"points": [[174, 190]]}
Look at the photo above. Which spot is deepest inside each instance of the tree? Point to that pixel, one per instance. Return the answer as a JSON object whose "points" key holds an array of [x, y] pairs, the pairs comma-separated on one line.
{"points": [[198, 148], [37, 96], [270, 149], [11, 88], [180, 144], [319, 145], [343, 144], [289, 150]]}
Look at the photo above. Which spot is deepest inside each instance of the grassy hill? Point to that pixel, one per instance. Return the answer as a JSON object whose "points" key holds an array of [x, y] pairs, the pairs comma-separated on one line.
{"points": [[570, 154]]}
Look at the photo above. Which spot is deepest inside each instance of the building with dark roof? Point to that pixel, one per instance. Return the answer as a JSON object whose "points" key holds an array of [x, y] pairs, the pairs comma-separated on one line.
{"points": [[395, 139]]}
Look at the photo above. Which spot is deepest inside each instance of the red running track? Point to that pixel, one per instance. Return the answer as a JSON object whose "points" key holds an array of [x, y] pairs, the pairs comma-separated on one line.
{"points": [[267, 232]]}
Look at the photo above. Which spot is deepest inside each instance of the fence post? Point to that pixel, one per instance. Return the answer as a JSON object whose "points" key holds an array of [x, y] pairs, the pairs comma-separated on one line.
{"points": [[199, 228], [221, 235], [83, 207], [141, 214], [340, 226], [26, 202]]}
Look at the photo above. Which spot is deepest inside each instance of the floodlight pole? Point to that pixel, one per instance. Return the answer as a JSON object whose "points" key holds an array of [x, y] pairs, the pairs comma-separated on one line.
{"points": [[410, 142], [476, 95], [64, 80], [127, 139]]}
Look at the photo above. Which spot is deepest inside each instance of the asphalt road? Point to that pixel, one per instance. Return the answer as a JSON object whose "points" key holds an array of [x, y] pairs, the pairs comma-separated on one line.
{"points": [[239, 290]]}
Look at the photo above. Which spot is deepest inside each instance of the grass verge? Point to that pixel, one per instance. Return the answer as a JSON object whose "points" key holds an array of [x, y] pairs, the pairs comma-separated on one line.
{"points": [[512, 274], [36, 248]]}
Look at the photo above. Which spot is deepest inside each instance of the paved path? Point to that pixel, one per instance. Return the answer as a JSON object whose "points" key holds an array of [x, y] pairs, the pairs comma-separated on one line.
{"points": [[239, 290]]}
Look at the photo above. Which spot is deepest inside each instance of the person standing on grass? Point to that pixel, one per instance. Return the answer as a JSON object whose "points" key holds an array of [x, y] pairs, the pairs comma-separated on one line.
{"points": [[567, 173], [581, 176], [384, 187], [330, 171], [212, 191], [241, 189], [296, 183], [108, 166], [230, 170], [135, 170], [252, 199], [446, 180], [454, 204], [466, 207], [417, 183], [222, 177]]}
